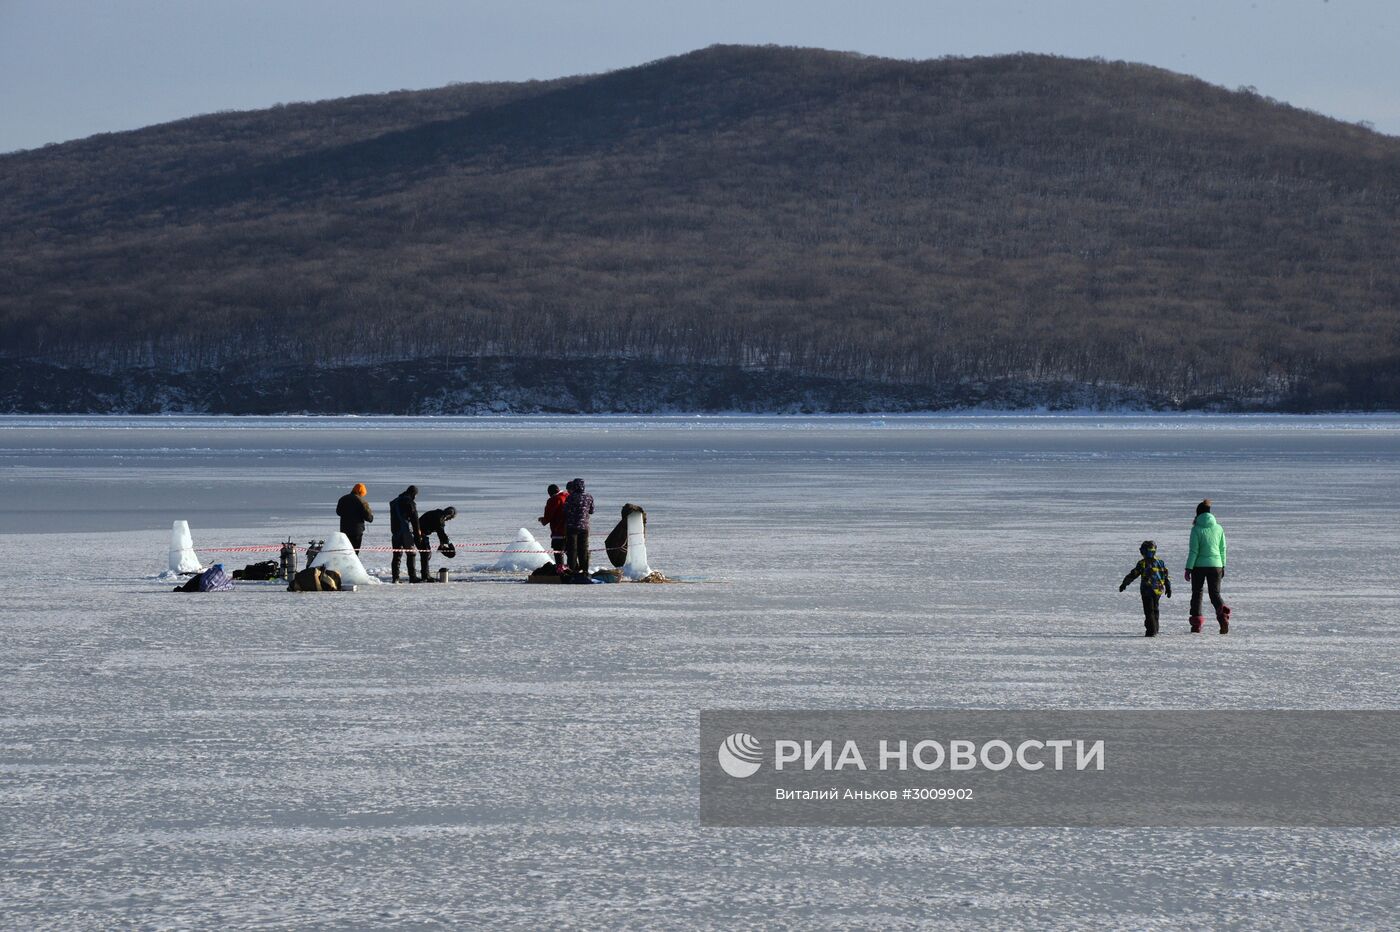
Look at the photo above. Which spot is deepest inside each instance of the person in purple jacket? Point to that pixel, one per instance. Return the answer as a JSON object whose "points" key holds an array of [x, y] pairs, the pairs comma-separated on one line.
{"points": [[576, 511]]}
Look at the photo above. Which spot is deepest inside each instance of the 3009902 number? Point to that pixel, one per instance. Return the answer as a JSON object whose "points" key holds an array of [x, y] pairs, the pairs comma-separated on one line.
{"points": [[942, 794]]}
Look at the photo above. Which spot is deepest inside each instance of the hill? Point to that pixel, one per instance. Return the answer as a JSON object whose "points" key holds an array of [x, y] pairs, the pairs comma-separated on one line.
{"points": [[829, 230]]}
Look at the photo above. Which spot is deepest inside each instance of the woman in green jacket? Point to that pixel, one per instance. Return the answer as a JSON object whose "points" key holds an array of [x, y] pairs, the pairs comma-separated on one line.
{"points": [[1205, 567]]}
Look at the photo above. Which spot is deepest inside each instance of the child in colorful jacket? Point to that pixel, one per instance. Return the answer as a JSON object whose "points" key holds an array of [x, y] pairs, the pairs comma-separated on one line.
{"points": [[1156, 582]]}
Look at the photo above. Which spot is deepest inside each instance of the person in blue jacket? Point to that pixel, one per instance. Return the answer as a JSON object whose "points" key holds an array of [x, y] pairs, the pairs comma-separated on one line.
{"points": [[1156, 582]]}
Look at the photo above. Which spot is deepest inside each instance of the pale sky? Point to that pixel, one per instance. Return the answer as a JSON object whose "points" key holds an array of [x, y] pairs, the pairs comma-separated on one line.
{"points": [[71, 68]]}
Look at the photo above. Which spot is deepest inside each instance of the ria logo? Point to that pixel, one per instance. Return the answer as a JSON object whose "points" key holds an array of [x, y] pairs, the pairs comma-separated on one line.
{"points": [[740, 755]]}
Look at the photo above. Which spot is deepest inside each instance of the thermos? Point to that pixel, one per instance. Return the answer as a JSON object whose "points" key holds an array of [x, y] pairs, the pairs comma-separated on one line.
{"points": [[442, 574]]}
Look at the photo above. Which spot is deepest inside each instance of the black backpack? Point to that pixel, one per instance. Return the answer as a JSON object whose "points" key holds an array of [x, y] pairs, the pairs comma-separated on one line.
{"points": [[257, 572]]}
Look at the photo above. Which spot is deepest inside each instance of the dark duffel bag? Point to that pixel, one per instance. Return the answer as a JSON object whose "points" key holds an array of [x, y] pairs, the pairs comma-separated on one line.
{"points": [[257, 572]]}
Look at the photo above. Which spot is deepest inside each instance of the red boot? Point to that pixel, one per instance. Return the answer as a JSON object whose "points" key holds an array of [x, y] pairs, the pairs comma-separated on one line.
{"points": [[1223, 616], [1196, 622]]}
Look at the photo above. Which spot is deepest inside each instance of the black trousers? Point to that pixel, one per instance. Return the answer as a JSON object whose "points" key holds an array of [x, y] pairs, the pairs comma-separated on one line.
{"points": [[1151, 603], [1207, 577], [402, 549], [558, 545], [576, 546], [426, 547], [356, 538]]}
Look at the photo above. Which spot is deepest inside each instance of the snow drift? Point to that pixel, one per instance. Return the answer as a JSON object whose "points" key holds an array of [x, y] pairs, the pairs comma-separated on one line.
{"points": [[182, 555], [524, 554], [338, 555]]}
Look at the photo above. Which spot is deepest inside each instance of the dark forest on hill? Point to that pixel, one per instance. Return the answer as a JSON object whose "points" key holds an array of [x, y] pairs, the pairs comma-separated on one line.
{"points": [[1015, 231]]}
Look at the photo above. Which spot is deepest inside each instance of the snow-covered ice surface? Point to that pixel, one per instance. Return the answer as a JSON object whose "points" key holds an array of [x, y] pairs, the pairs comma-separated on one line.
{"points": [[488, 752]]}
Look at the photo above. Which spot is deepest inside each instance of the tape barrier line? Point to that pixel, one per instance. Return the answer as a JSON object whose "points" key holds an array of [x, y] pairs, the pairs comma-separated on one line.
{"points": [[465, 547]]}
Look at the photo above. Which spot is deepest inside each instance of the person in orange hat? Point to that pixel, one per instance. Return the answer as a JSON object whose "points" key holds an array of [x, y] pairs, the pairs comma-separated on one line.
{"points": [[354, 512]]}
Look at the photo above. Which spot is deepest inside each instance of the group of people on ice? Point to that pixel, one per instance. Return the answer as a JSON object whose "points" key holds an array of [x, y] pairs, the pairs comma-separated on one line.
{"points": [[408, 530], [1205, 569], [566, 512]]}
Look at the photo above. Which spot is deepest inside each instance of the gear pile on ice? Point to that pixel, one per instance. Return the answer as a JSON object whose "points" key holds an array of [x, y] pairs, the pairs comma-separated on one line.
{"points": [[213, 579], [262, 571], [317, 579]]}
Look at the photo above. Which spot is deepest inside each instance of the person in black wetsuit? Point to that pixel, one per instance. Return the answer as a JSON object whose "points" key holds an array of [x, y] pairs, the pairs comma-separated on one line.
{"points": [[432, 522], [403, 524]]}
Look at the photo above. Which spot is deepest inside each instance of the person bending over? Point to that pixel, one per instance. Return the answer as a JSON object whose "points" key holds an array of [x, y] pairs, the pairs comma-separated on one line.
{"points": [[433, 522]]}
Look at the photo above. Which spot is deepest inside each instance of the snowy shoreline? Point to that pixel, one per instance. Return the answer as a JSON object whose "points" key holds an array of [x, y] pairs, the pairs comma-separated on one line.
{"points": [[969, 419]]}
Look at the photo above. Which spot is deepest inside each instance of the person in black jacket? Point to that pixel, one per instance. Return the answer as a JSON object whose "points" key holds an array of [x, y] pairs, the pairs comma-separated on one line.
{"points": [[354, 512], [433, 522], [403, 524]]}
